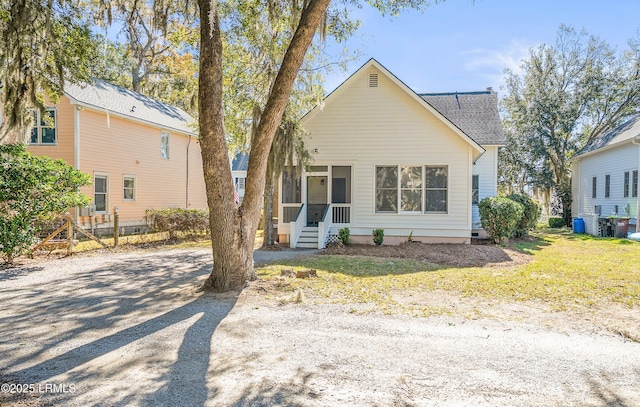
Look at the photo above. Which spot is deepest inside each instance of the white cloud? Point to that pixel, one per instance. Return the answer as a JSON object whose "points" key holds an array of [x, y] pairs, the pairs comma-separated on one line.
{"points": [[491, 63]]}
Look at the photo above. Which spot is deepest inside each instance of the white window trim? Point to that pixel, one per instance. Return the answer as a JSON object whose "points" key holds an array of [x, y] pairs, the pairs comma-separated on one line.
{"points": [[446, 189], [106, 200], [399, 210], [165, 154], [39, 127], [135, 186]]}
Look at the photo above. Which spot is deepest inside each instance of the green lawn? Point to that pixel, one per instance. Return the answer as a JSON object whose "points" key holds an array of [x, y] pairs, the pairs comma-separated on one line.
{"points": [[567, 271]]}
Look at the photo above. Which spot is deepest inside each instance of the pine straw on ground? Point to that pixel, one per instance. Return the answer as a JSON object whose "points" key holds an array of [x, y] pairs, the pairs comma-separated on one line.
{"points": [[455, 255]]}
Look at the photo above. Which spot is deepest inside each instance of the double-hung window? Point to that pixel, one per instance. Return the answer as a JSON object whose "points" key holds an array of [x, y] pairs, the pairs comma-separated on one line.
{"points": [[411, 189], [101, 192], [387, 189], [475, 189], [129, 188], [634, 184], [44, 127], [164, 144], [436, 189], [594, 187], [607, 186], [625, 189]]}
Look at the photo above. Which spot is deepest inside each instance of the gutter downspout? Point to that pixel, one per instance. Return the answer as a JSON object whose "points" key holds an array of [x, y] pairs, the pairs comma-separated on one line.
{"points": [[186, 193], [76, 152], [636, 141]]}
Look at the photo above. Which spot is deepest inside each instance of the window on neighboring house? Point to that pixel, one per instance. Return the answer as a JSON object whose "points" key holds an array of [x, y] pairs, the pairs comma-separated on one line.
{"points": [[607, 186], [634, 184], [594, 187], [291, 186], [44, 127], [164, 145], [436, 189], [387, 189], [129, 188], [626, 185], [240, 183], [100, 192], [475, 189]]}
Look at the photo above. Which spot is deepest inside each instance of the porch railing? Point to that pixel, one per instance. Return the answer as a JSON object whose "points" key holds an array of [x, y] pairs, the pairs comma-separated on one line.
{"points": [[296, 225], [341, 213], [324, 226], [290, 213]]}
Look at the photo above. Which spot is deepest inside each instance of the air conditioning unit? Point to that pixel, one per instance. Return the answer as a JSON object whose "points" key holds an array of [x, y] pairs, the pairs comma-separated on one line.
{"points": [[88, 210]]}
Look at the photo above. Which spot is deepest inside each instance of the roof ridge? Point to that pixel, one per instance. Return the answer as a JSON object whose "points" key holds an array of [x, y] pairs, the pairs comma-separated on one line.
{"points": [[479, 92]]}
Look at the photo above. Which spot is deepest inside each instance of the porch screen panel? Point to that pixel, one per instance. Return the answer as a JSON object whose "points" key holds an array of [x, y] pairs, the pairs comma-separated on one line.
{"points": [[436, 185], [387, 189], [291, 186]]}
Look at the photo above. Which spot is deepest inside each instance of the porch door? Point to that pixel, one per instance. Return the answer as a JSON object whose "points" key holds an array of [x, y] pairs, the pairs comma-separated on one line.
{"points": [[316, 198]]}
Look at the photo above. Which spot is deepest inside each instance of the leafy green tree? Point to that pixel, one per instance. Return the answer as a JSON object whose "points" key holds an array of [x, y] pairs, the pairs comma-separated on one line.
{"points": [[44, 44], [33, 188], [568, 94]]}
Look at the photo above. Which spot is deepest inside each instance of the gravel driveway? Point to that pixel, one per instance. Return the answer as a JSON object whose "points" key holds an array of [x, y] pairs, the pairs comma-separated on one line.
{"points": [[128, 329]]}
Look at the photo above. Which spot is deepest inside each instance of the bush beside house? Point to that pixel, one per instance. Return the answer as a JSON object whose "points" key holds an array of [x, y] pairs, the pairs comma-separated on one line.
{"points": [[499, 217]]}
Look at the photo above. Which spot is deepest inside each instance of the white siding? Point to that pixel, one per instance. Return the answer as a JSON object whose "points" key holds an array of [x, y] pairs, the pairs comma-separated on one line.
{"points": [[486, 167], [614, 162], [369, 126]]}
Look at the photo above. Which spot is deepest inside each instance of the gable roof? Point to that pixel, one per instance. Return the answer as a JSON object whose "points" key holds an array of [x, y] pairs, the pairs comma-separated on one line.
{"points": [[113, 99], [625, 133], [475, 113], [372, 62]]}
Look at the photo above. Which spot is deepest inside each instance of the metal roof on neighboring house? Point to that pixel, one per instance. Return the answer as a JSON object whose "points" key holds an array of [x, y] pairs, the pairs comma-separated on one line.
{"points": [[475, 113], [623, 133], [110, 98]]}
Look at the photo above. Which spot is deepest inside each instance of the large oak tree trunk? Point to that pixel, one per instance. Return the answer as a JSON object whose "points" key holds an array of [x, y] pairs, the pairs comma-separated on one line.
{"points": [[233, 229]]}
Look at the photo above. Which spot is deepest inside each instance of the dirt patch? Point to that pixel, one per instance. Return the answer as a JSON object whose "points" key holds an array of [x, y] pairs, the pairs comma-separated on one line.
{"points": [[455, 255]]}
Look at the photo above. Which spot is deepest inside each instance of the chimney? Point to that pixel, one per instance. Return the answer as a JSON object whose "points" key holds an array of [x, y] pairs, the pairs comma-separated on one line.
{"points": [[489, 89]]}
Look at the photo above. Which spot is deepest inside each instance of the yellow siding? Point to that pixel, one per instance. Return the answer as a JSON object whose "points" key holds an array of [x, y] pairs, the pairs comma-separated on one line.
{"points": [[64, 149], [120, 147], [364, 127]]}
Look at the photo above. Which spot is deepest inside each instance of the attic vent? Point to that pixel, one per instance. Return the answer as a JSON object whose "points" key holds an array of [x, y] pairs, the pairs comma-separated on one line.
{"points": [[373, 80]]}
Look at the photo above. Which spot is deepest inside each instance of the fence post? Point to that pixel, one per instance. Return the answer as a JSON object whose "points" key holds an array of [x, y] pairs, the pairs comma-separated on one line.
{"points": [[115, 226], [69, 235]]}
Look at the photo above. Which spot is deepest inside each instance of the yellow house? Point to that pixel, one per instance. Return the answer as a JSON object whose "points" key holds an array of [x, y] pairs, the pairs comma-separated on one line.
{"points": [[141, 153], [388, 158]]}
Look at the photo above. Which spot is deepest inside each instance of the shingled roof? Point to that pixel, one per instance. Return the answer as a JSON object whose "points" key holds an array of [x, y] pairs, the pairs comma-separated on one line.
{"points": [[623, 133], [475, 113], [110, 98]]}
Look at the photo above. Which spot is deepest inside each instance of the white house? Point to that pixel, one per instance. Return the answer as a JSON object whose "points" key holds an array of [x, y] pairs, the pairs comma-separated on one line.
{"points": [[239, 166], [386, 157], [605, 181]]}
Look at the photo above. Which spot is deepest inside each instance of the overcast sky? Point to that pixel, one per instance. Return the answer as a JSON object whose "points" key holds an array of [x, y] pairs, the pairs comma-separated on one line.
{"points": [[460, 45]]}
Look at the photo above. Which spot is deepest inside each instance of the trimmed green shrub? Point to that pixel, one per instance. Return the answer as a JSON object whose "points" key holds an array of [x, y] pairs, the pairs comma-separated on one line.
{"points": [[557, 223], [530, 214], [174, 220], [378, 236], [499, 217], [343, 235]]}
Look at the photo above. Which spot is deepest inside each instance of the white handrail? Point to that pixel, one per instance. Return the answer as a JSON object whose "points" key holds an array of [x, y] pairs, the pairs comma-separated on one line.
{"points": [[324, 227], [296, 226]]}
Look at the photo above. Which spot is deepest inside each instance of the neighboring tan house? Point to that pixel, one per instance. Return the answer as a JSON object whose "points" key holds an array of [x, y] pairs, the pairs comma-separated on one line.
{"points": [[141, 153], [386, 157], [604, 181]]}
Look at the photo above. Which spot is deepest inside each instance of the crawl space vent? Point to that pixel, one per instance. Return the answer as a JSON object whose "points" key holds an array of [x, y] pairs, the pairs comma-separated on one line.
{"points": [[373, 80]]}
